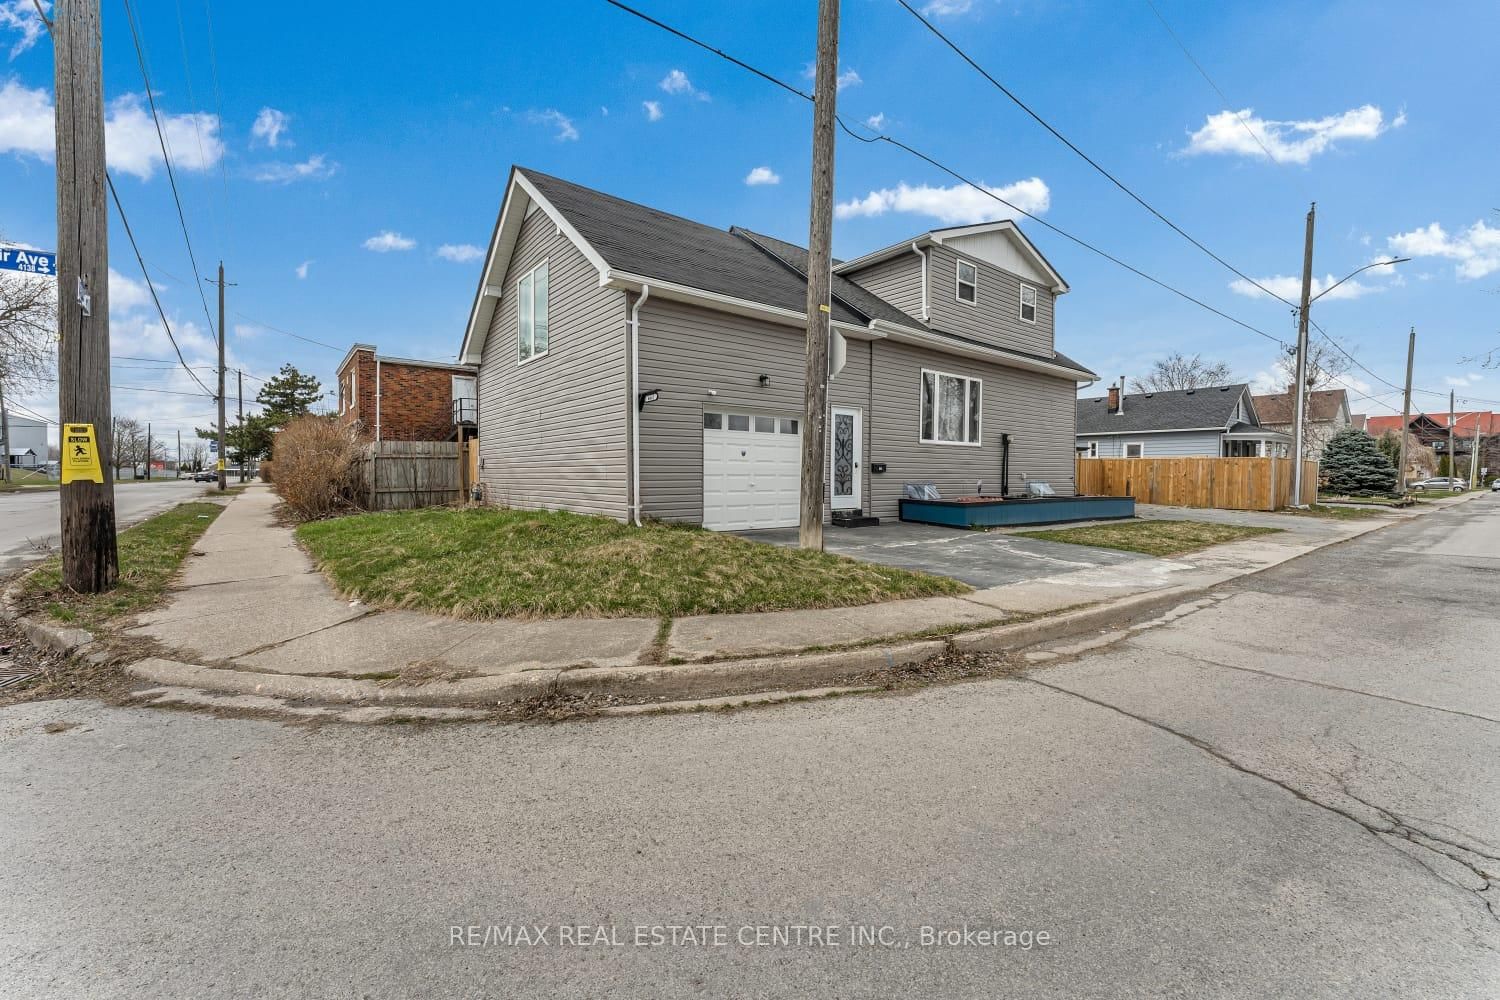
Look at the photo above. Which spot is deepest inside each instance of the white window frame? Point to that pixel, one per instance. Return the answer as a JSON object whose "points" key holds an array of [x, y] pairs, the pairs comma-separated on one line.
{"points": [[1021, 311], [541, 265], [1127, 445], [968, 381], [1093, 449], [959, 282]]}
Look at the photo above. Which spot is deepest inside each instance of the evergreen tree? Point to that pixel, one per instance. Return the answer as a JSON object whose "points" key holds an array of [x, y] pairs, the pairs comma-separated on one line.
{"points": [[1355, 466], [288, 394]]}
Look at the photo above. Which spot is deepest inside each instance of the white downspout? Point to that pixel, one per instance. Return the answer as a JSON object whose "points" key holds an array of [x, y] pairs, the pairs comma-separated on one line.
{"points": [[635, 405], [922, 254], [377, 398]]}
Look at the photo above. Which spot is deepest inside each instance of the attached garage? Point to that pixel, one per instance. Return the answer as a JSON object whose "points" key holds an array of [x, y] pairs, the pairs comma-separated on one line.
{"points": [[752, 466]]}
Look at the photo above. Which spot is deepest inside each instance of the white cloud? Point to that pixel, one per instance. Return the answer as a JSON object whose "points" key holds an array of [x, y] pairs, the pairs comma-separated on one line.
{"points": [[677, 82], [566, 132], [26, 121], [21, 17], [876, 122], [1477, 249], [302, 270], [762, 175], [268, 127], [1287, 141], [947, 8], [314, 168], [459, 253], [653, 110], [386, 241], [131, 145], [957, 204], [1290, 287], [848, 78], [1464, 381], [127, 295], [247, 331]]}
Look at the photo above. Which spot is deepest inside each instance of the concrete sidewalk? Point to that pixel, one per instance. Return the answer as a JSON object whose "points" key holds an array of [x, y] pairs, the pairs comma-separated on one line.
{"points": [[253, 615]]}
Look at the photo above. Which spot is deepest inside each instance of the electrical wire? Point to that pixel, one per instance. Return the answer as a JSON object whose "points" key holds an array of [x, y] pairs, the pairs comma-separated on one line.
{"points": [[1084, 156], [287, 333], [880, 137]]}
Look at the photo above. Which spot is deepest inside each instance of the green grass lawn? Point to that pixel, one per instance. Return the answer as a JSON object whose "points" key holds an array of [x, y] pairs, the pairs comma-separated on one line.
{"points": [[150, 553], [1339, 513], [26, 479], [1153, 538], [489, 563]]}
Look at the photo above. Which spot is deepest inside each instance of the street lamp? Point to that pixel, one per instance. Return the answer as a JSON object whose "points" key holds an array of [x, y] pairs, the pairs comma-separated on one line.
{"points": [[1300, 379]]}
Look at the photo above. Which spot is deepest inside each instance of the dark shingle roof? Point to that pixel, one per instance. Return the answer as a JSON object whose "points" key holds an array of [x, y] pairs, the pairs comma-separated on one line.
{"points": [[853, 296], [1276, 408], [1211, 406], [640, 240]]}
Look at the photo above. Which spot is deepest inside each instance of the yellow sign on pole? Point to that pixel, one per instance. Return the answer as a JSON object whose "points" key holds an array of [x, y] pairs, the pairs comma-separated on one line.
{"points": [[220, 466], [80, 454]]}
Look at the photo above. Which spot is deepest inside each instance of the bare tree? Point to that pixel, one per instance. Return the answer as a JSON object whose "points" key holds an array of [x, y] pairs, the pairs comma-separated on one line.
{"points": [[28, 329], [1325, 365], [128, 448], [1178, 371]]}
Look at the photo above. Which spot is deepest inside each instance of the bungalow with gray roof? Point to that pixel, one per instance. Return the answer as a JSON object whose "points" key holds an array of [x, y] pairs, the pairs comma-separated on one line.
{"points": [[1211, 421], [633, 363]]}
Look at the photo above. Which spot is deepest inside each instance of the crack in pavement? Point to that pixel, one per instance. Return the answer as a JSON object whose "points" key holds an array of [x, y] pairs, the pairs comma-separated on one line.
{"points": [[1199, 658], [1395, 827]]}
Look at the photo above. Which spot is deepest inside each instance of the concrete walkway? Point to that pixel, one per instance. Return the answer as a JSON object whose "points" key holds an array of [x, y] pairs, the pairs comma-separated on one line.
{"points": [[251, 601]]}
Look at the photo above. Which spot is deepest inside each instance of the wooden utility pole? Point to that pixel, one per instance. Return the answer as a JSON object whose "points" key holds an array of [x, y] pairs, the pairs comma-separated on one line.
{"points": [[177, 458], [4, 437], [1452, 458], [223, 474], [1411, 353], [90, 560], [1299, 381], [148, 451], [241, 431], [819, 278]]}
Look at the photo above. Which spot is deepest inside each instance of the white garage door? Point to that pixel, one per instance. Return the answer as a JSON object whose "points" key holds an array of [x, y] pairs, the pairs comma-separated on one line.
{"points": [[751, 471]]}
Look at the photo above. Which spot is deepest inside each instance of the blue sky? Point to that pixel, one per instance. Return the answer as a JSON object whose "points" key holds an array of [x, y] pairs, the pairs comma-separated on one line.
{"points": [[351, 160]]}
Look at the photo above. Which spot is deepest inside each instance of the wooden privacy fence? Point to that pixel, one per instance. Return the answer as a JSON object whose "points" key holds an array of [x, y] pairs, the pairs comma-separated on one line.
{"points": [[468, 464], [1226, 483], [404, 475]]}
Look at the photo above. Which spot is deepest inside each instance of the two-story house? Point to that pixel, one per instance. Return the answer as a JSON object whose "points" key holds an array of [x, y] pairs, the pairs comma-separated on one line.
{"points": [[637, 364], [404, 399]]}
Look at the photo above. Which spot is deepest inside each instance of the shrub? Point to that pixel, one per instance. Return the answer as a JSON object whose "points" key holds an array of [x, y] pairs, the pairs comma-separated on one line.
{"points": [[317, 466], [1355, 465], [265, 471]]}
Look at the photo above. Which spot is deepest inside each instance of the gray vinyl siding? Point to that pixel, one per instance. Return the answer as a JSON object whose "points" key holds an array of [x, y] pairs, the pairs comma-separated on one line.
{"points": [[1036, 410], [685, 352], [897, 280], [995, 318], [553, 431], [1175, 444]]}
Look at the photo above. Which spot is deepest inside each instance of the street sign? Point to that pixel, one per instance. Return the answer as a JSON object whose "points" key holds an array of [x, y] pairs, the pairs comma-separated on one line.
{"points": [[80, 456], [28, 261]]}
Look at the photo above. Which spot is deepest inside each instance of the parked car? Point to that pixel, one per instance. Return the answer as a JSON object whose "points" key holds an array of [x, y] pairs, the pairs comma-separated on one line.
{"points": [[1495, 486], [1444, 483], [206, 476]]}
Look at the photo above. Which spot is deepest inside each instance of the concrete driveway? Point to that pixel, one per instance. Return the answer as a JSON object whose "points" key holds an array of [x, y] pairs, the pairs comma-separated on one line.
{"points": [[981, 559]]}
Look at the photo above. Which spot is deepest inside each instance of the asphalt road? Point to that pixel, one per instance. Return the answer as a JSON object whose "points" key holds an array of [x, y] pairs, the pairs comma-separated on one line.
{"points": [[1290, 793], [31, 516]]}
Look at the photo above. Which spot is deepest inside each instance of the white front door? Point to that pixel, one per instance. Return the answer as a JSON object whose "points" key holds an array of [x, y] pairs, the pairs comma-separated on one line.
{"points": [[844, 475], [752, 470]]}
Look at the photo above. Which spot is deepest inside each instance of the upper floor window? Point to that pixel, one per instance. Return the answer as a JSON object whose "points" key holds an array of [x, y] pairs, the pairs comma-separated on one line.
{"points": [[968, 282], [1028, 304], [950, 408], [531, 313]]}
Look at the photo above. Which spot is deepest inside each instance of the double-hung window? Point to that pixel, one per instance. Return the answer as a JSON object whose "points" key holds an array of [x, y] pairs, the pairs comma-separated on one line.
{"points": [[951, 408], [531, 313], [968, 283], [1028, 304]]}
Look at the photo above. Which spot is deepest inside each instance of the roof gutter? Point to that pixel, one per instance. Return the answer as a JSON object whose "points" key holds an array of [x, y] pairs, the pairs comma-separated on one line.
{"points": [[906, 335]]}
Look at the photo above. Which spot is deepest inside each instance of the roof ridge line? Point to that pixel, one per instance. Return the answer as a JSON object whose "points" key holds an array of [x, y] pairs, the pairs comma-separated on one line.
{"points": [[748, 235]]}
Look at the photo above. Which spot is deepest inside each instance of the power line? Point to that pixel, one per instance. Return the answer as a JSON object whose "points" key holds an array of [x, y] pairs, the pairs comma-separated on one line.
{"points": [[1228, 105], [149, 285], [1085, 157], [166, 158], [187, 74], [213, 65], [949, 171], [288, 333]]}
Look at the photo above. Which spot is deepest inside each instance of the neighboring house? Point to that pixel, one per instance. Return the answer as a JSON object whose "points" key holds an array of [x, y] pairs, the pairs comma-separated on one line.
{"points": [[27, 442], [1431, 429], [401, 399], [638, 364], [1219, 420], [1327, 414]]}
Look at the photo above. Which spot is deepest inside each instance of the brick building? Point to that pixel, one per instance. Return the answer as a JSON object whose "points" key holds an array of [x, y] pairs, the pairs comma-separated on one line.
{"points": [[402, 399]]}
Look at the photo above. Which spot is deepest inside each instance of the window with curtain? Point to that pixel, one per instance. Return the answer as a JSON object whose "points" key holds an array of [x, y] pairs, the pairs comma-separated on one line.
{"points": [[951, 409]]}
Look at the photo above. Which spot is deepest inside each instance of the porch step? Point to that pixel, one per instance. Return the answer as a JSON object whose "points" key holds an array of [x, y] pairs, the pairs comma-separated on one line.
{"points": [[853, 519]]}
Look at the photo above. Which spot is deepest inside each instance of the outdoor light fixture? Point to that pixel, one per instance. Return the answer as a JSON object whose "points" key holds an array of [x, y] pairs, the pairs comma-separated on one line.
{"points": [[765, 380], [649, 396]]}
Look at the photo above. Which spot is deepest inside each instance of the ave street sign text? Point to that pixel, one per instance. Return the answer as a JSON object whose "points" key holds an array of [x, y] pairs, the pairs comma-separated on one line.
{"points": [[28, 261]]}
